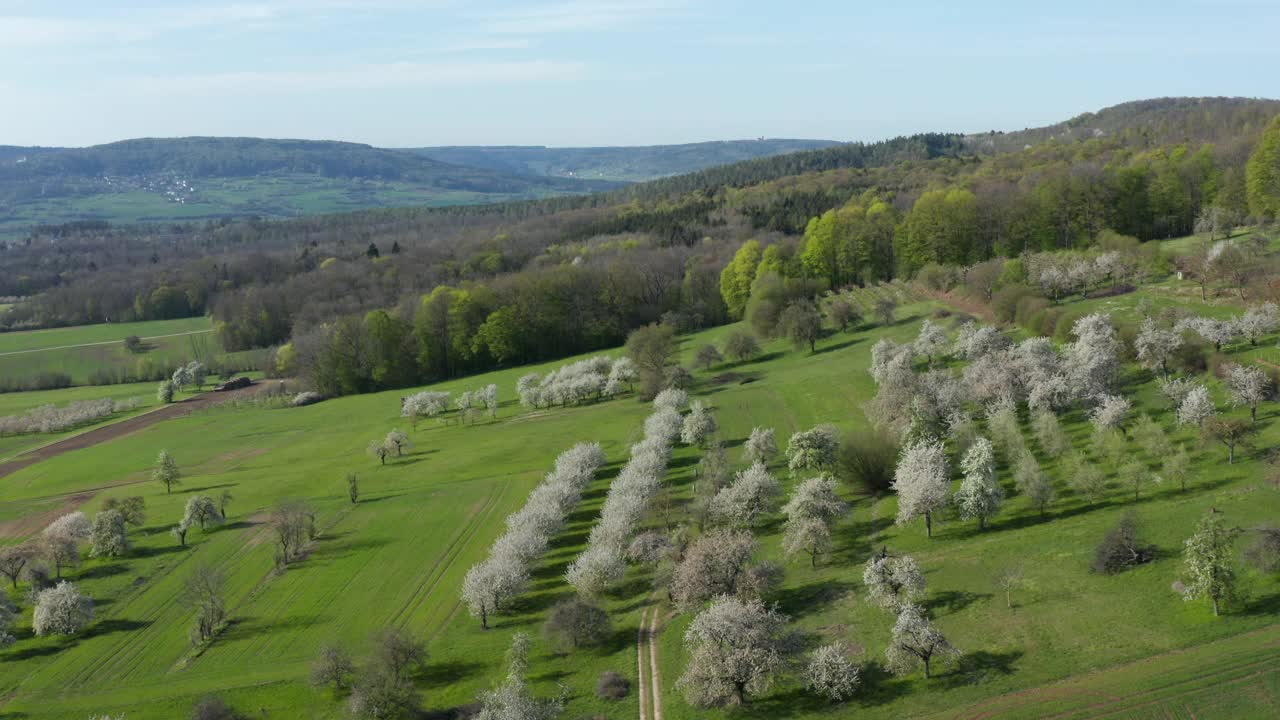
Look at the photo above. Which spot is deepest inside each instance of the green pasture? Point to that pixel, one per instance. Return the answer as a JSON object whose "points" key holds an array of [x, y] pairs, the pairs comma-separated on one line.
{"points": [[398, 558]]}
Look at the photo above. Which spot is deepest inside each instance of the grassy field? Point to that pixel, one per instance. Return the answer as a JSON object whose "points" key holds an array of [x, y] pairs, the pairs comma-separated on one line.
{"points": [[19, 403], [79, 351], [398, 557]]}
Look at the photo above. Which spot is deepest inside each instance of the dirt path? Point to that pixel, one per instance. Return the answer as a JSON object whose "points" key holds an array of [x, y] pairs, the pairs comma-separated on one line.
{"points": [[119, 429], [104, 342], [650, 677]]}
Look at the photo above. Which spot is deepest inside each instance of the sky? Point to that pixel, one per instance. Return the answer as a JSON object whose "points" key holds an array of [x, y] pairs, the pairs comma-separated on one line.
{"points": [[606, 72]]}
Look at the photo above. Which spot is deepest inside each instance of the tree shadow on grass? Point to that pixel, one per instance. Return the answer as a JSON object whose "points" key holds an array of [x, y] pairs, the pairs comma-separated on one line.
{"points": [[101, 571], [35, 652], [209, 487], [110, 625], [947, 602], [379, 498], [978, 667], [785, 703], [439, 674], [567, 540], [879, 686], [147, 552], [836, 346], [1265, 605], [811, 598]]}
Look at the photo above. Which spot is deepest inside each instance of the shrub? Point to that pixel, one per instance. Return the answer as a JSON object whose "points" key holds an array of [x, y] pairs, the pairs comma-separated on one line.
{"points": [[1192, 357], [1121, 548], [1264, 552], [867, 459], [308, 397], [1006, 300], [612, 686]]}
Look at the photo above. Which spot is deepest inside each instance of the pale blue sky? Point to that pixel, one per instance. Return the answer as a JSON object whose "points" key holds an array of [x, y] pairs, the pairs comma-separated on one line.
{"points": [[595, 72]]}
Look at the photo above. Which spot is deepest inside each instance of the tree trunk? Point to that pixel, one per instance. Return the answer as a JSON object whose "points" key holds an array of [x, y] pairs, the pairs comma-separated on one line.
{"points": [[1231, 453], [1253, 414], [982, 522], [1008, 599], [928, 524], [926, 667], [1215, 606]]}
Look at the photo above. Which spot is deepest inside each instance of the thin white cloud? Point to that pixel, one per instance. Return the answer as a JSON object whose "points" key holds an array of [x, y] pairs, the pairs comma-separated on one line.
{"points": [[364, 77], [578, 16]]}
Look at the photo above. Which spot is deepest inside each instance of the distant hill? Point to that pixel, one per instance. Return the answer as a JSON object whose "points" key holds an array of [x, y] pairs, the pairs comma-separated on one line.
{"points": [[616, 163], [204, 178]]}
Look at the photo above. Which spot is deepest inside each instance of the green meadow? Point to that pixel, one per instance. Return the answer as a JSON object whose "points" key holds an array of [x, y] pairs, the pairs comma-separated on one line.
{"points": [[1074, 642], [80, 351]]}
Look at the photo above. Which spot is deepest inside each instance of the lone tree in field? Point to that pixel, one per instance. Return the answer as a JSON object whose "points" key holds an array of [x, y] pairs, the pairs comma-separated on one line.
{"points": [[1007, 579], [202, 511], [223, 500], [203, 594], [353, 488], [61, 610], [922, 482], [293, 524], [1196, 407], [164, 392], [576, 623], [385, 689], [652, 348], [513, 699], [1231, 432], [741, 346], [166, 471], [736, 649], [397, 442], [379, 450], [885, 309], [802, 323], [707, 356], [831, 674], [1207, 555], [916, 642], [761, 446], [109, 537], [813, 449], [979, 494], [1176, 467], [892, 580], [13, 558], [333, 666], [1249, 387]]}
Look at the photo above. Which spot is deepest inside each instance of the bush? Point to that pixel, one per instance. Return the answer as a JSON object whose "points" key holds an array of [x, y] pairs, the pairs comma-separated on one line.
{"points": [[1220, 365], [1191, 357], [612, 686], [1005, 302], [867, 459], [307, 398], [1121, 549], [938, 277]]}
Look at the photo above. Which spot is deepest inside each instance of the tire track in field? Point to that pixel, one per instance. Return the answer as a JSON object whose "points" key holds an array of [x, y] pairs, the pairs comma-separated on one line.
{"points": [[431, 578], [642, 637], [1021, 699], [655, 674]]}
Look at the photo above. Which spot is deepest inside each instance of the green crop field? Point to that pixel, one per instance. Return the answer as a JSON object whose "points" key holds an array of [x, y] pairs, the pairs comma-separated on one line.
{"points": [[79, 351], [1074, 642], [19, 403]]}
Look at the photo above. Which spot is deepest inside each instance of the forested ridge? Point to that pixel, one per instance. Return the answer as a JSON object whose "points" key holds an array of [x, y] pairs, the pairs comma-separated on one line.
{"points": [[409, 295]]}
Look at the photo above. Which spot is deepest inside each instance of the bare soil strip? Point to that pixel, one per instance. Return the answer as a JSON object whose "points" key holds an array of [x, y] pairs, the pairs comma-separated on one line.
{"points": [[112, 431], [655, 675], [642, 637]]}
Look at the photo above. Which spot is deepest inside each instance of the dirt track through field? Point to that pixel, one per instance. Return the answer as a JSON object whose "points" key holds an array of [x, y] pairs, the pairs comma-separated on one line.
{"points": [[119, 429], [649, 676]]}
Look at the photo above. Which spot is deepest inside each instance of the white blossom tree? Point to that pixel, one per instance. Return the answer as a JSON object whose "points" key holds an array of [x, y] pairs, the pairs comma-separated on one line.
{"points": [[488, 586], [1156, 346], [61, 610], [715, 564], [489, 394], [513, 699], [698, 425], [1092, 360], [1196, 407], [831, 674], [1258, 321], [892, 580], [736, 649], [109, 536], [751, 495], [761, 446], [816, 497], [1213, 330], [671, 398], [1110, 413], [166, 471], [813, 449], [931, 342], [922, 481], [529, 391], [979, 495], [595, 569], [916, 642], [61, 539], [806, 536], [1249, 386]]}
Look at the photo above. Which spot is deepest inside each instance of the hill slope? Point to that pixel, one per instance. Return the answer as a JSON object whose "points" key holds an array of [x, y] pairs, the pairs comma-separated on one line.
{"points": [[616, 163]]}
